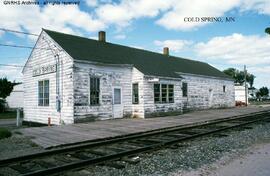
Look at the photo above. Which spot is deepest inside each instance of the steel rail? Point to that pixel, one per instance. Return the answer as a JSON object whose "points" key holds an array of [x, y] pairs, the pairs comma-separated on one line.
{"points": [[5, 163], [102, 159], [87, 144]]}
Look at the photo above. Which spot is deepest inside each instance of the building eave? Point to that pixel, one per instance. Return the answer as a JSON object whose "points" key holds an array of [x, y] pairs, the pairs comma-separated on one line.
{"points": [[204, 76], [102, 64]]}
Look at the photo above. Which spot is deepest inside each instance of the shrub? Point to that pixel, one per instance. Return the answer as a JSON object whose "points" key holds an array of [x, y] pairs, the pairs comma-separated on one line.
{"points": [[4, 133], [2, 105]]}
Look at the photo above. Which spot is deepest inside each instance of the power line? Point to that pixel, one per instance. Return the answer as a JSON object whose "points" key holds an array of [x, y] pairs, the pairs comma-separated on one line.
{"points": [[19, 32], [9, 65], [22, 46], [15, 57], [17, 46]]}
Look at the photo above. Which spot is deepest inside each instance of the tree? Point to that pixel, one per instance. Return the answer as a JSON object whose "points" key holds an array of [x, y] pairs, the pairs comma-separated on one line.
{"points": [[263, 92], [5, 87], [250, 79], [239, 76], [230, 72], [267, 30]]}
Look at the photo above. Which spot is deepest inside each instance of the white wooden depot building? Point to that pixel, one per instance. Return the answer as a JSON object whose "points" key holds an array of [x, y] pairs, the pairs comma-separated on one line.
{"points": [[73, 79]]}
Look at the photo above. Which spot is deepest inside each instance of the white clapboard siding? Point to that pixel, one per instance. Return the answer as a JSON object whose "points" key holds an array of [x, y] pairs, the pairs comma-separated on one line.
{"points": [[110, 76], [203, 92], [42, 56], [200, 89], [151, 107], [240, 93], [138, 109]]}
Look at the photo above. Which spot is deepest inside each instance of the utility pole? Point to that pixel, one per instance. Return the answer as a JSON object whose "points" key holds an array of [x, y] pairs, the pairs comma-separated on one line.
{"points": [[245, 78]]}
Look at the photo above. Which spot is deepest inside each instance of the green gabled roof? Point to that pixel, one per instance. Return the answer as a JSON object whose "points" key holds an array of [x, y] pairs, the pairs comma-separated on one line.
{"points": [[149, 63]]}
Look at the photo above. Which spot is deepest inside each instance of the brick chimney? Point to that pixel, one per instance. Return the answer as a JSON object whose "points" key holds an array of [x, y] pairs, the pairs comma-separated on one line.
{"points": [[102, 36], [166, 51]]}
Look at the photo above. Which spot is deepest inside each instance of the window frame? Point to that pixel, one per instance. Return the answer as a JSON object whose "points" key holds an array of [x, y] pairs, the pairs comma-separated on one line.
{"points": [[133, 94], [184, 92], [163, 93], [120, 96], [44, 101], [159, 96], [171, 101], [96, 91]]}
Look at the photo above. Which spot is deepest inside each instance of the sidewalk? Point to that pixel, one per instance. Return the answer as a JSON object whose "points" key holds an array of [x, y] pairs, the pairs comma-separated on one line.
{"points": [[67, 134]]}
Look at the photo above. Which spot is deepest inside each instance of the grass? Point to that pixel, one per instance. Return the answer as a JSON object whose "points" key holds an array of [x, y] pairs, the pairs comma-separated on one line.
{"points": [[8, 115], [259, 102], [4, 133]]}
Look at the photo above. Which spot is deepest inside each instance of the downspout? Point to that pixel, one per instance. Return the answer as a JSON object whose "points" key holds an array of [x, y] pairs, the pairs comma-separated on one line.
{"points": [[57, 60]]}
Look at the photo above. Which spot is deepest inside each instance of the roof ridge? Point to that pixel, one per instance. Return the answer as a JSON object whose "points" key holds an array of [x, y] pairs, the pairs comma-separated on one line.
{"points": [[148, 62], [170, 56]]}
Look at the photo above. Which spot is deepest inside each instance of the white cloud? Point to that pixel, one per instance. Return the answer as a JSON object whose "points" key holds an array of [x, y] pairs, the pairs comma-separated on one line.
{"points": [[261, 6], [12, 73], [9, 42], [138, 47], [93, 37], [169, 14], [95, 3], [236, 49], [120, 36], [262, 73], [91, 3], [1, 33], [174, 45], [261, 69], [33, 18], [127, 10], [173, 12], [174, 19]]}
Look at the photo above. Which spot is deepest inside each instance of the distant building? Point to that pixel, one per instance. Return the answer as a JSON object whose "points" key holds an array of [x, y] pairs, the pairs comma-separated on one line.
{"points": [[15, 99], [252, 92], [72, 79], [240, 95]]}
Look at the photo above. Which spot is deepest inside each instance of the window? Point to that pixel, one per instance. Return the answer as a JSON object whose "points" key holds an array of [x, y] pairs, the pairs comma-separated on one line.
{"points": [[224, 88], [135, 93], [94, 91], [163, 93], [171, 94], [184, 89], [116, 96], [43, 93], [156, 93]]}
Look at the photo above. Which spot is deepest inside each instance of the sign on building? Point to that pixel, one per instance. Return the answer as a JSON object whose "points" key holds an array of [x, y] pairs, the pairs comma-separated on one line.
{"points": [[46, 69]]}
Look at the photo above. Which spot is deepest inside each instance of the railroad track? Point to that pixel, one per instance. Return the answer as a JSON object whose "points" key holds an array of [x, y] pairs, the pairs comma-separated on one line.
{"points": [[86, 154]]}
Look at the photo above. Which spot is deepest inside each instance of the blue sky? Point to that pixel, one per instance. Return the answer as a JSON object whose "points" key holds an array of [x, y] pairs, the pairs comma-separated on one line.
{"points": [[151, 25]]}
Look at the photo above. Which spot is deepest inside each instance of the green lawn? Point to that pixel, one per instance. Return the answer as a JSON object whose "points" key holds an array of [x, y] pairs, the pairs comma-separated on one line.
{"points": [[8, 115], [259, 102]]}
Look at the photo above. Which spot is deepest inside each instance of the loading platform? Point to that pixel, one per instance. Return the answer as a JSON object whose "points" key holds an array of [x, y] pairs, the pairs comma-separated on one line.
{"points": [[54, 136]]}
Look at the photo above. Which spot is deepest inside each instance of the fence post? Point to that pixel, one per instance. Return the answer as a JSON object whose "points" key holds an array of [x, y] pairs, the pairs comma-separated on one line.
{"points": [[49, 121], [18, 118]]}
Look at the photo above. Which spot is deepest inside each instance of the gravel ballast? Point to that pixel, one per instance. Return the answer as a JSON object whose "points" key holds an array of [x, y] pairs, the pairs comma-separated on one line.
{"points": [[193, 155], [187, 157], [17, 145]]}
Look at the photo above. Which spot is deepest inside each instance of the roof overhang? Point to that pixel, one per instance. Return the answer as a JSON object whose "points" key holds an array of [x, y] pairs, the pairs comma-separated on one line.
{"points": [[204, 76], [151, 78], [103, 64]]}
